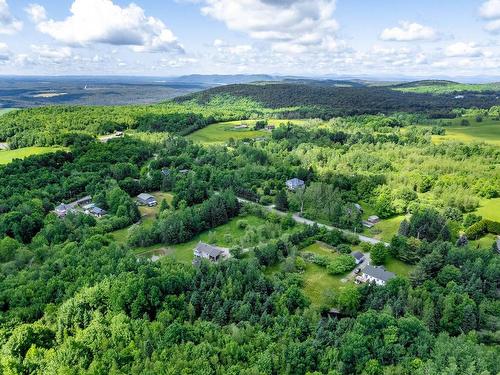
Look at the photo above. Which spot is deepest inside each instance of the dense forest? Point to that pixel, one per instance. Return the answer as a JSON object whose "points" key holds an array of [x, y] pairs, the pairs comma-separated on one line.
{"points": [[326, 101], [78, 295]]}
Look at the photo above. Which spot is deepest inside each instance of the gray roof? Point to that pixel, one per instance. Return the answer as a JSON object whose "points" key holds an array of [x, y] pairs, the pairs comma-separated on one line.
{"points": [[358, 255], [378, 272], [210, 250], [295, 182], [145, 197], [97, 211]]}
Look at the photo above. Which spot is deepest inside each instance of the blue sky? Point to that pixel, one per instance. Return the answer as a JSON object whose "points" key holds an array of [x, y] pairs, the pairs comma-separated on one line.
{"points": [[433, 38]]}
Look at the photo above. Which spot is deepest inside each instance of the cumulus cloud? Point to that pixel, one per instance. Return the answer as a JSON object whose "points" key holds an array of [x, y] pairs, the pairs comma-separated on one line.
{"points": [[408, 31], [490, 10], [290, 25], [36, 12], [8, 23], [463, 49], [102, 21]]}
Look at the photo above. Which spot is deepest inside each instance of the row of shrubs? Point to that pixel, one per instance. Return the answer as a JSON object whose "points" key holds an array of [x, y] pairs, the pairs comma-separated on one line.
{"points": [[482, 227]]}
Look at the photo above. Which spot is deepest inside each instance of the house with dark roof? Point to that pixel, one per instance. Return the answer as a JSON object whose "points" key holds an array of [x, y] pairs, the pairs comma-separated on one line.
{"points": [[359, 257], [145, 199], [294, 184], [210, 252], [375, 274], [62, 210]]}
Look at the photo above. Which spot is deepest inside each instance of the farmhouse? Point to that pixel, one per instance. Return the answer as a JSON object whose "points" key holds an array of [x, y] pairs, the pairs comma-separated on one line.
{"points": [[294, 184], [375, 274], [62, 210], [165, 171], [145, 199], [359, 257], [210, 252]]}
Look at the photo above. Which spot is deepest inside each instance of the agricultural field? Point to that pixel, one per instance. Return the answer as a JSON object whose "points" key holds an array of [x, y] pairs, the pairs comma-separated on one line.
{"points": [[6, 156], [487, 131]]}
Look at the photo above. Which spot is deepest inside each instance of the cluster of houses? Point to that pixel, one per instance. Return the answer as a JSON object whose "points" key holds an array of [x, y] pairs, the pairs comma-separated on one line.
{"points": [[209, 252], [83, 205]]}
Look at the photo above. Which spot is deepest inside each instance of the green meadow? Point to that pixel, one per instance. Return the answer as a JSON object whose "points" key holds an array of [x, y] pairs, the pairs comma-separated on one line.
{"points": [[222, 132], [7, 156], [489, 209], [487, 131], [319, 285]]}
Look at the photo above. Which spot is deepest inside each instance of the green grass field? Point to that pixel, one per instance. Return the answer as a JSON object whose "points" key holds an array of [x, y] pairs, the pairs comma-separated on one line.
{"points": [[489, 209], [222, 132], [184, 252], [8, 155], [487, 131], [398, 267], [318, 283], [484, 242], [383, 230]]}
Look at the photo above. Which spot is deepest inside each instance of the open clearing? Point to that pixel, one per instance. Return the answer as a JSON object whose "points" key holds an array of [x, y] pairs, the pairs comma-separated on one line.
{"points": [[7, 156], [225, 235], [487, 131], [148, 216], [319, 285], [489, 209], [223, 131], [385, 228]]}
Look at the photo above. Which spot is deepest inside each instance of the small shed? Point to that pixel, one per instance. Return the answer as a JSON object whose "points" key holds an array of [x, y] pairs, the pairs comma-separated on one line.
{"points": [[359, 257]]}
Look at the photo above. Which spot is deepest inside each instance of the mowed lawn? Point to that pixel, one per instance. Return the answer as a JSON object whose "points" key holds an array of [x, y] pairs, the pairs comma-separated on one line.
{"points": [[223, 131], [489, 209], [398, 267], [319, 285], [226, 235], [487, 131], [385, 228], [6, 156]]}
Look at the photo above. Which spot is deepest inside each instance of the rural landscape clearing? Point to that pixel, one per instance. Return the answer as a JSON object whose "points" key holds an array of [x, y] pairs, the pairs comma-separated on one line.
{"points": [[169, 204]]}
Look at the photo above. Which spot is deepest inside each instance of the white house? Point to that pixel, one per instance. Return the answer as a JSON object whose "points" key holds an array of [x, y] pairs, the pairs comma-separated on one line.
{"points": [[375, 274]]}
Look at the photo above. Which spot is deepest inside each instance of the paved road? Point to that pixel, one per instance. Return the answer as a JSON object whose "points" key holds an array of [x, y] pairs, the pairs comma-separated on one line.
{"points": [[300, 219]]}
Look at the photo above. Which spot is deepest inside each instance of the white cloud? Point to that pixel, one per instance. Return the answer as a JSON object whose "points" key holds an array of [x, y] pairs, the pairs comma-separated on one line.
{"points": [[289, 25], [102, 21], [490, 9], [36, 12], [56, 54], [408, 31], [8, 23], [4, 53], [463, 49]]}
